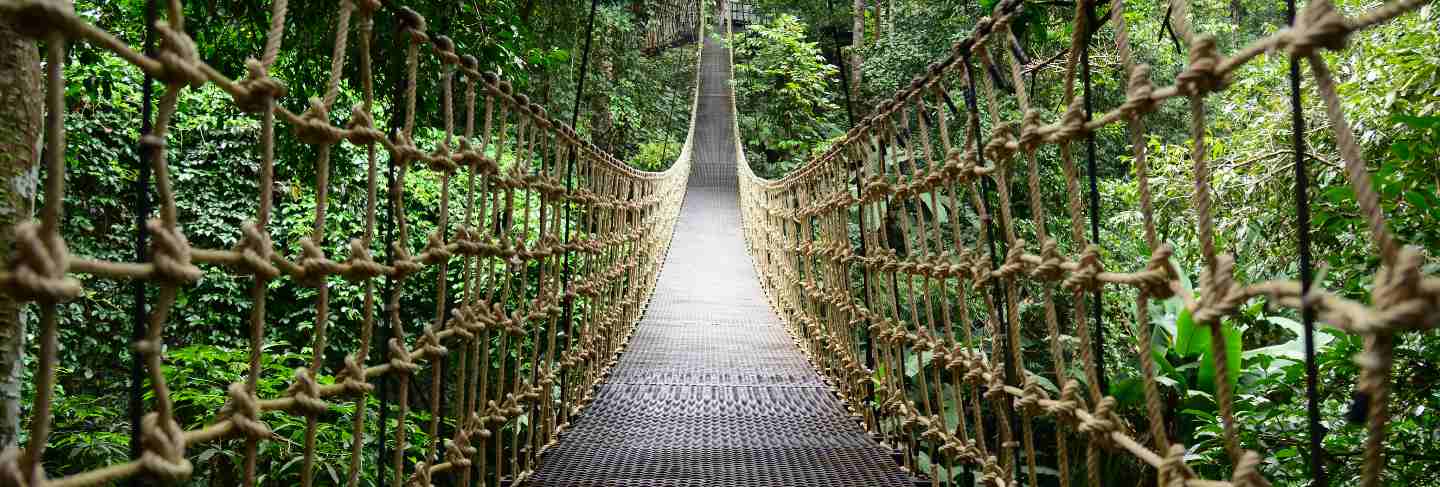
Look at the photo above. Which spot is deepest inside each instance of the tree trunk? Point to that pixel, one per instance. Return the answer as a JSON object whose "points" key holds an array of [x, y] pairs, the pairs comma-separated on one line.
{"points": [[857, 42], [20, 122]]}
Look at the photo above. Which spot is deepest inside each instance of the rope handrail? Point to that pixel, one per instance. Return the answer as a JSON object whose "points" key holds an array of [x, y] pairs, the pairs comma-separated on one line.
{"points": [[514, 165], [921, 266]]}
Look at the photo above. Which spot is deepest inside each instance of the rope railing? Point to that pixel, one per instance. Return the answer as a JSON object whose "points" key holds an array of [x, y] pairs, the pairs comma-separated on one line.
{"points": [[536, 198], [977, 406]]}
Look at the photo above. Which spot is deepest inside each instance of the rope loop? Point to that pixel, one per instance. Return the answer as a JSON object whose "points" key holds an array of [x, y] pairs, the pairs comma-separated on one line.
{"points": [[458, 450], [1220, 295], [258, 88], [179, 58], [403, 265], [1202, 74], [306, 392], [1014, 261], [170, 253], [162, 442], [421, 476], [37, 271], [243, 411], [1317, 26], [256, 250], [445, 49]]}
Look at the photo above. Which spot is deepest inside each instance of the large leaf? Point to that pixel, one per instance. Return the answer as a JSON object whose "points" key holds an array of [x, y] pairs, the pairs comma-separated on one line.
{"points": [[1190, 340], [1232, 357]]}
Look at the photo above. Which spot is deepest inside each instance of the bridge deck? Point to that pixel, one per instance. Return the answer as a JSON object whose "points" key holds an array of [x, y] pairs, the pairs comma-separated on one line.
{"points": [[712, 391]]}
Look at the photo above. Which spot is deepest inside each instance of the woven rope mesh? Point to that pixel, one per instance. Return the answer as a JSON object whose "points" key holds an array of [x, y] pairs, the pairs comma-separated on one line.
{"points": [[711, 389]]}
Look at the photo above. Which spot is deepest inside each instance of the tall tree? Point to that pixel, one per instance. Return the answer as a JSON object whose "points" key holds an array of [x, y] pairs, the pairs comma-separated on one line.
{"points": [[20, 122], [857, 42]]}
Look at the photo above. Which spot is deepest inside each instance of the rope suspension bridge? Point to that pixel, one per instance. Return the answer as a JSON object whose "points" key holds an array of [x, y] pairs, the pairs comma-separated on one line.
{"points": [[702, 325]]}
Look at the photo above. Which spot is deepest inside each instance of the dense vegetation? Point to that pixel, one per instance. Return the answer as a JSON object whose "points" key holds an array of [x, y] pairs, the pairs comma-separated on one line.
{"points": [[1391, 89], [636, 105]]}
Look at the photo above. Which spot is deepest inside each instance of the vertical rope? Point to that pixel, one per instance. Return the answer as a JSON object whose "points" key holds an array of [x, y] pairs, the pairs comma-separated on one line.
{"points": [[1307, 277], [142, 237]]}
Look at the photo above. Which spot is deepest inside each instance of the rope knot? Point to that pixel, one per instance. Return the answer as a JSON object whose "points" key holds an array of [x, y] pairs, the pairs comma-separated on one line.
{"points": [[435, 249], [404, 151], [170, 253], [243, 411], [458, 450], [1030, 136], [256, 250], [1138, 92], [429, 345], [179, 59], [1202, 74], [1051, 261], [1401, 292], [414, 24], [306, 393], [1070, 402], [1014, 261], [314, 266], [421, 476], [1002, 144], [1085, 277], [13, 475], [403, 264], [258, 88], [1072, 124], [353, 379], [360, 130], [400, 359], [1219, 295], [1156, 282], [445, 49], [38, 18], [1247, 471], [367, 7], [163, 449], [1032, 396], [37, 271], [1173, 471], [360, 266], [314, 127], [1101, 422], [1317, 26]]}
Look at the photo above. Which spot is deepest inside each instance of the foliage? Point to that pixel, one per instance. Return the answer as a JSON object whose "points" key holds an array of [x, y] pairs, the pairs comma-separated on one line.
{"points": [[782, 87]]}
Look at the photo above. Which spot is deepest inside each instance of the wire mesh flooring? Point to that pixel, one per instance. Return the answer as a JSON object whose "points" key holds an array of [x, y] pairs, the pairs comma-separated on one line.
{"points": [[711, 390]]}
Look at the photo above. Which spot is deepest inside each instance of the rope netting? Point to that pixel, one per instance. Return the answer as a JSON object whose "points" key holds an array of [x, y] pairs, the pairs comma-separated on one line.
{"points": [[856, 265], [559, 248]]}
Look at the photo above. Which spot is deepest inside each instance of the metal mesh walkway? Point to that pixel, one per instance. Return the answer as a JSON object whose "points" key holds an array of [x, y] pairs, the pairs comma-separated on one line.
{"points": [[711, 390]]}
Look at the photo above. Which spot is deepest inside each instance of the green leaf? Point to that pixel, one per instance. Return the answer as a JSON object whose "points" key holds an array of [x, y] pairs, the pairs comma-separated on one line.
{"points": [[1190, 340], [1232, 357]]}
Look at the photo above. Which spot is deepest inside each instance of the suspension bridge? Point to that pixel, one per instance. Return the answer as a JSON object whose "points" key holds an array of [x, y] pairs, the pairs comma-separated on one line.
{"points": [[701, 325]]}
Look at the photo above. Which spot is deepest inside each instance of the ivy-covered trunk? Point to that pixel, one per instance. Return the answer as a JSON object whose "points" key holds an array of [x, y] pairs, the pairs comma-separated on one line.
{"points": [[20, 119]]}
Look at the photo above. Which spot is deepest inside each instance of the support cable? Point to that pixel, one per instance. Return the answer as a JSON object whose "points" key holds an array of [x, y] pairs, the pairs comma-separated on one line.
{"points": [[139, 312], [1302, 228], [1098, 306]]}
